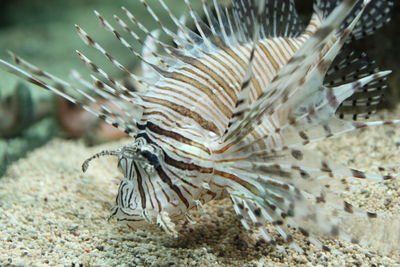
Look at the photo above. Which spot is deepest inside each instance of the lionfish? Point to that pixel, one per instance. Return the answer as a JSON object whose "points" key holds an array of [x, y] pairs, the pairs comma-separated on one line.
{"points": [[229, 109]]}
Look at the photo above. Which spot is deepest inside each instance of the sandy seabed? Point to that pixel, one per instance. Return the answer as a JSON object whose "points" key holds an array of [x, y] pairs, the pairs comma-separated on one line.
{"points": [[53, 214]]}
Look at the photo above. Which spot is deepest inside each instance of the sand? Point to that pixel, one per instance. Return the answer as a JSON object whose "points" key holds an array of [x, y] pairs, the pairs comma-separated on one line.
{"points": [[53, 214]]}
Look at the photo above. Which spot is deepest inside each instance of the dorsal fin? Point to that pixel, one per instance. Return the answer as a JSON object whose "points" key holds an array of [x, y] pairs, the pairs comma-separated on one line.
{"points": [[142, 28], [278, 18], [188, 35], [233, 23], [150, 47], [107, 26], [188, 44], [88, 40], [149, 52], [281, 20], [201, 27], [243, 98], [293, 73]]}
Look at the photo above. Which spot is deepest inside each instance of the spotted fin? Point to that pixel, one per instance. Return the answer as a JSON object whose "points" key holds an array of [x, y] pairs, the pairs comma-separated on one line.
{"points": [[260, 216], [374, 17], [350, 66], [313, 120], [243, 98], [294, 190], [288, 78]]}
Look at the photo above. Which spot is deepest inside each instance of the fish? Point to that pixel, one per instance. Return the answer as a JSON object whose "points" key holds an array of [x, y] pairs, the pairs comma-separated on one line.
{"points": [[230, 110]]}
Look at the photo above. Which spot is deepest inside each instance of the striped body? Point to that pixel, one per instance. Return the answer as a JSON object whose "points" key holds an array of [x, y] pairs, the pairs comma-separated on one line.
{"points": [[187, 113], [229, 112]]}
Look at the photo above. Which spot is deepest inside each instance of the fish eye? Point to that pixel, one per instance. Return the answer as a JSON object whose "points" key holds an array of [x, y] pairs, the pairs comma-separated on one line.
{"points": [[151, 157], [147, 155]]}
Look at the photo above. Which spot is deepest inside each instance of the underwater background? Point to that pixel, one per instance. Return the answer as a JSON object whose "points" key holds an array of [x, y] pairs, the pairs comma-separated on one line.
{"points": [[53, 214]]}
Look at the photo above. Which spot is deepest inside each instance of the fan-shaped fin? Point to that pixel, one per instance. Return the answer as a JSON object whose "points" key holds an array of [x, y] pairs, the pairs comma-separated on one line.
{"points": [[243, 98], [301, 192], [312, 120], [375, 16], [292, 76], [107, 26], [350, 66]]}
